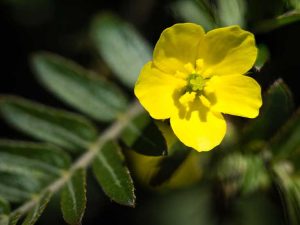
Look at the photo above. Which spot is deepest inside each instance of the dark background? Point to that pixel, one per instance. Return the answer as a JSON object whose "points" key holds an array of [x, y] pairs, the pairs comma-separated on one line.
{"points": [[61, 26]]}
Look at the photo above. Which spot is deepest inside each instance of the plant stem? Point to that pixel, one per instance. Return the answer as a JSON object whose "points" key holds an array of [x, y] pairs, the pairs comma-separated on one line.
{"points": [[86, 159]]}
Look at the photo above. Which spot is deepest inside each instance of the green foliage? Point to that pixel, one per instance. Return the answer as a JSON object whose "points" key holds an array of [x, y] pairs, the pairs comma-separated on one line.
{"points": [[59, 127], [242, 170], [84, 90], [120, 45], [113, 176], [143, 136], [73, 198]]}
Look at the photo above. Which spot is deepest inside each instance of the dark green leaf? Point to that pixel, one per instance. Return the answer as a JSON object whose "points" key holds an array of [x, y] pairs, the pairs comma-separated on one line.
{"points": [[38, 209], [271, 24], [168, 165], [277, 107], [46, 153], [232, 12], [113, 175], [195, 11], [120, 45], [289, 187], [4, 207], [263, 56], [143, 136], [60, 127], [78, 87], [242, 173], [73, 198], [14, 194], [287, 141]]}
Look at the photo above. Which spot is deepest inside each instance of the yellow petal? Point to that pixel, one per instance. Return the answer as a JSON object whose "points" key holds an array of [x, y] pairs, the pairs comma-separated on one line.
{"points": [[177, 46], [198, 127], [156, 91], [234, 94], [228, 50]]}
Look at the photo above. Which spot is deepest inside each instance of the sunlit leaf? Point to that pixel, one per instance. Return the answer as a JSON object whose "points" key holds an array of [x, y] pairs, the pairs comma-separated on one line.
{"points": [[143, 136], [121, 46], [113, 175], [60, 127], [83, 90], [38, 209], [73, 198]]}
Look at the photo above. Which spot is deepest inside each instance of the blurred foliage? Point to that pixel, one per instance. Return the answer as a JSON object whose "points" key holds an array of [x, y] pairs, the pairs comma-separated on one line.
{"points": [[101, 136]]}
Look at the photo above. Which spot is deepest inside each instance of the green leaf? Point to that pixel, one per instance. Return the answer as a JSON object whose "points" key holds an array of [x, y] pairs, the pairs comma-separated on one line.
{"points": [[168, 165], [271, 24], [286, 143], [294, 3], [289, 187], [13, 194], [242, 173], [46, 153], [4, 206], [262, 57], [60, 127], [121, 46], [81, 89], [232, 12], [73, 198], [38, 209], [4, 219], [277, 108], [113, 175], [195, 11], [143, 136], [14, 218]]}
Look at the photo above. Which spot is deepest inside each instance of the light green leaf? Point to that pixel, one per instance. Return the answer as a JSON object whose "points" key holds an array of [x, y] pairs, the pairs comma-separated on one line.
{"points": [[60, 127], [121, 46], [295, 3], [143, 136], [113, 175], [4, 219], [38, 209], [277, 108], [73, 198], [199, 12], [78, 87], [271, 24], [232, 12]]}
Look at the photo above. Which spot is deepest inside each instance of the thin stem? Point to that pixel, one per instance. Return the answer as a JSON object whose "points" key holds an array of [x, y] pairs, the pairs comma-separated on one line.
{"points": [[86, 159]]}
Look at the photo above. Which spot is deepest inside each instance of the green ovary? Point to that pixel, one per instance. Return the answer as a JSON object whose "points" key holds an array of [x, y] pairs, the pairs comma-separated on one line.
{"points": [[196, 83]]}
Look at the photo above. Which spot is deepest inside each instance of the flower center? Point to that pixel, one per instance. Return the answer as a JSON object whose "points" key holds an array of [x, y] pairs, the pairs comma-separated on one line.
{"points": [[196, 83]]}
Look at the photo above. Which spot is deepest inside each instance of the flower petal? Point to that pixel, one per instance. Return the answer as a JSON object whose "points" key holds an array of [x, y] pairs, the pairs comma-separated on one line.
{"points": [[228, 50], [198, 127], [177, 46], [234, 94], [156, 91]]}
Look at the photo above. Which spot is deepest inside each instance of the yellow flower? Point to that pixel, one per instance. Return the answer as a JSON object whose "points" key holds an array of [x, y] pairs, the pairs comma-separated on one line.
{"points": [[195, 76]]}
